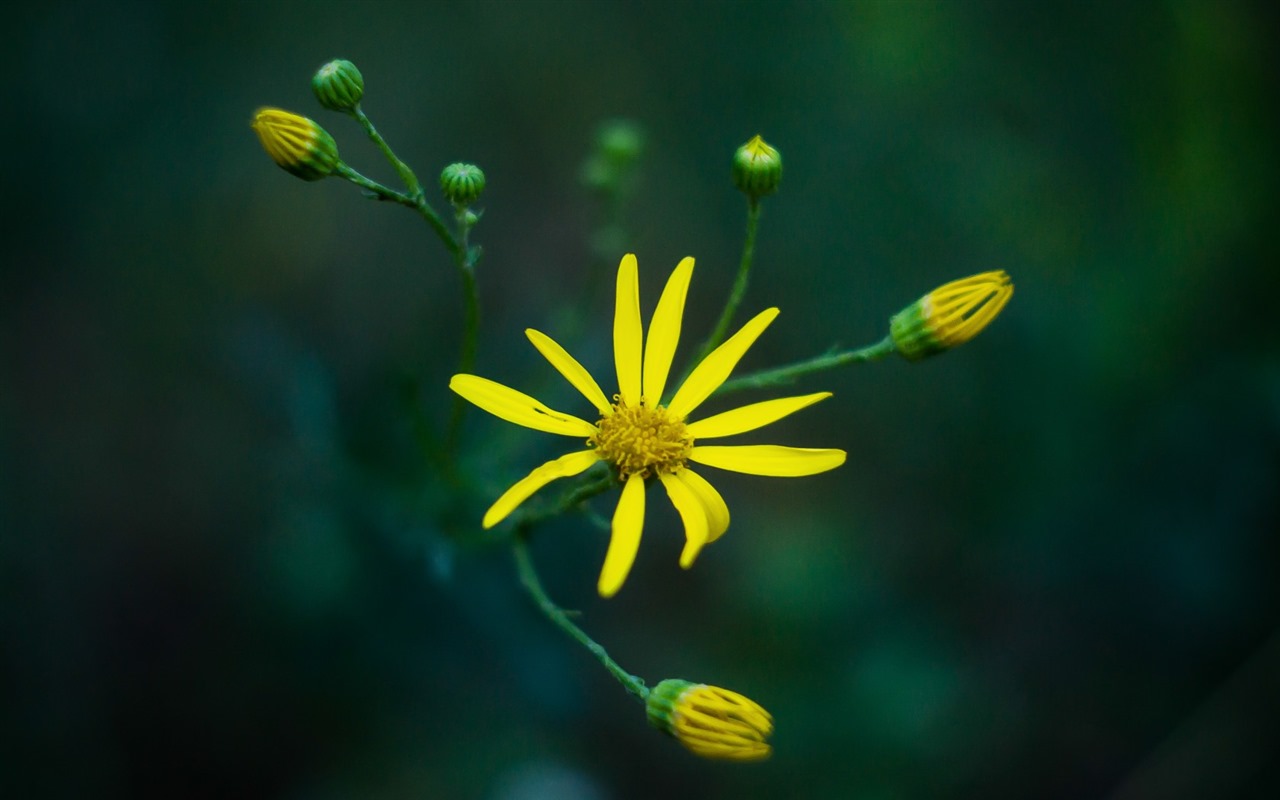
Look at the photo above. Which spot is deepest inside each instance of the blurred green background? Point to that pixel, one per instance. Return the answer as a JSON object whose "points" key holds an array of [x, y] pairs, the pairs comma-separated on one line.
{"points": [[1048, 569]]}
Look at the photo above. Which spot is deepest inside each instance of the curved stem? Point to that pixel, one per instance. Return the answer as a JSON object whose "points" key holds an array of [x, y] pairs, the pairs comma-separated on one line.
{"points": [[377, 189], [406, 174], [739, 285], [529, 579], [788, 374]]}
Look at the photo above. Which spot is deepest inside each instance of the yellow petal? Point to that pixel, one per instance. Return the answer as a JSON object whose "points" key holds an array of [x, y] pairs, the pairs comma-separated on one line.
{"points": [[628, 522], [748, 418], [627, 334], [523, 489], [569, 367], [712, 503], [692, 512], [768, 459], [715, 368], [506, 403], [664, 332]]}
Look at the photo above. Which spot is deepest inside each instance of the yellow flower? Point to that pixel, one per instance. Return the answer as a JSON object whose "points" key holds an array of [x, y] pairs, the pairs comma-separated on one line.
{"points": [[950, 315], [710, 721], [640, 437]]}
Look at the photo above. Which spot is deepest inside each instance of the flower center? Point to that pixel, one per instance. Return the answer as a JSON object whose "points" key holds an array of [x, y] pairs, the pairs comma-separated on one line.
{"points": [[642, 440]]}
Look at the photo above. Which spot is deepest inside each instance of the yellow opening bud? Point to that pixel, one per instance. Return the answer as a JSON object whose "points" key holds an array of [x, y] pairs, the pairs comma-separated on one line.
{"points": [[757, 168], [297, 144], [950, 315], [709, 721]]}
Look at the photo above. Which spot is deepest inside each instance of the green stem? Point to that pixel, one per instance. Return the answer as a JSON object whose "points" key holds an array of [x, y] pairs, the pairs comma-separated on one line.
{"points": [[380, 191], [464, 257], [529, 579], [406, 174], [739, 284], [788, 374]]}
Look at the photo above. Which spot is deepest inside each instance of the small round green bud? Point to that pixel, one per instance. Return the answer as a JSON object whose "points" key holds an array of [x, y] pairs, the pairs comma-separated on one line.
{"points": [[619, 144], [621, 141], [757, 168], [462, 183], [297, 144], [338, 85]]}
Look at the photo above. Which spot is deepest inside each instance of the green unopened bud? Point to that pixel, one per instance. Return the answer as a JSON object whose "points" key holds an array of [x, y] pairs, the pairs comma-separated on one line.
{"points": [[297, 144], [757, 168], [618, 146], [621, 141], [950, 315], [338, 85], [462, 183], [709, 721]]}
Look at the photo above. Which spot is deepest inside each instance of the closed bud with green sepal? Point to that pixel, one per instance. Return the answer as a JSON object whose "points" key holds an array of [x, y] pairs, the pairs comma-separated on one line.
{"points": [[338, 85], [462, 183], [757, 168]]}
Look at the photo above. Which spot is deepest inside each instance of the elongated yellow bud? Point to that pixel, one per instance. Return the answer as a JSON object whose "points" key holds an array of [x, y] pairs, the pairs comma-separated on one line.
{"points": [[297, 144], [709, 721], [950, 315]]}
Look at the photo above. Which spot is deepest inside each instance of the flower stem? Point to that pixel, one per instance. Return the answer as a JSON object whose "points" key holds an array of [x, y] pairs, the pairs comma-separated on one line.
{"points": [[406, 174], [529, 579], [739, 283], [788, 374], [465, 258], [375, 188]]}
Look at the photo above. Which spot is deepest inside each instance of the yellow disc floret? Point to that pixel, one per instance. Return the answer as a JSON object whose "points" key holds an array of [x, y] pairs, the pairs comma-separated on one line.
{"points": [[642, 440]]}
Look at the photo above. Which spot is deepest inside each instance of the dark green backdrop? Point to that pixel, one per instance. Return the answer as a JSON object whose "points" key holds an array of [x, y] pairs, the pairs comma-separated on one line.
{"points": [[1048, 569]]}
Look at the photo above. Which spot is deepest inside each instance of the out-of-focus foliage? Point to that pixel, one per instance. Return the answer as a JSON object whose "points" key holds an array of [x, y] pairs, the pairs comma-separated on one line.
{"points": [[1048, 569]]}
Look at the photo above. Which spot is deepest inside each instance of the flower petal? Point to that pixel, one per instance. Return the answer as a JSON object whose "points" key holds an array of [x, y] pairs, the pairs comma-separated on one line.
{"points": [[712, 503], [627, 333], [692, 512], [569, 367], [628, 522], [506, 403], [664, 332], [562, 467], [748, 418], [715, 368], [768, 459]]}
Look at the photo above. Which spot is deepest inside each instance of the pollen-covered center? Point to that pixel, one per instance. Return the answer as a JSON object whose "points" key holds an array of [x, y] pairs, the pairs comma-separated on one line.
{"points": [[642, 440]]}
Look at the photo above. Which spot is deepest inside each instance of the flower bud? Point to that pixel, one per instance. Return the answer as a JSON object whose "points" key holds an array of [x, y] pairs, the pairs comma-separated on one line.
{"points": [[619, 144], [620, 141], [757, 168], [709, 721], [297, 144], [950, 315], [462, 183], [338, 85]]}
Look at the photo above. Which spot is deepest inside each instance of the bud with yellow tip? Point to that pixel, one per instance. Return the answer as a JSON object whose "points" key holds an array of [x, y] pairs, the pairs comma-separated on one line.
{"points": [[757, 168], [297, 144], [950, 315], [709, 721]]}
